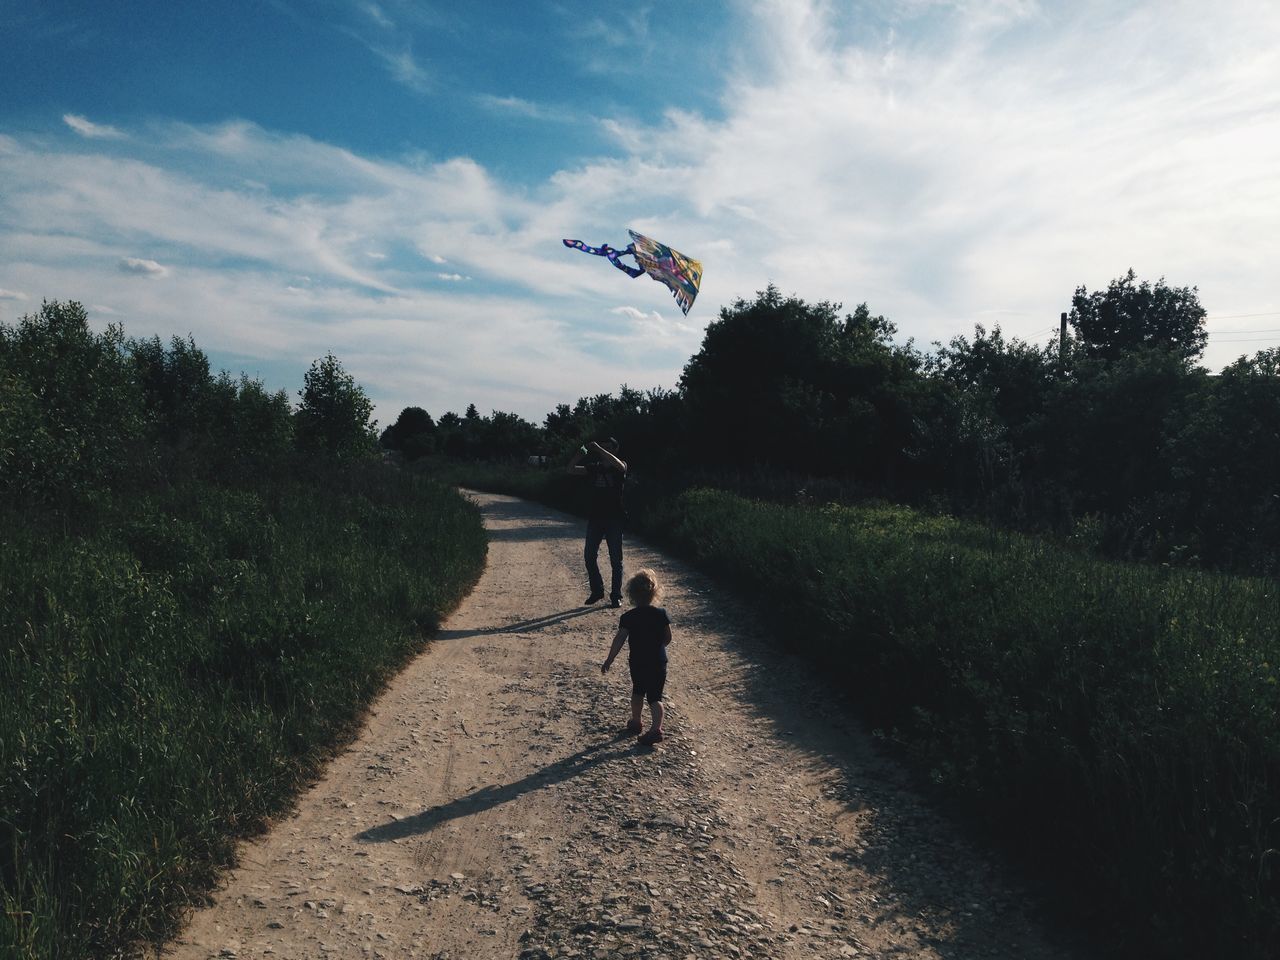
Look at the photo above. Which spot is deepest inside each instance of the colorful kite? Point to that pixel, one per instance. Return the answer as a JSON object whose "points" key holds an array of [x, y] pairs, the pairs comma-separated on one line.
{"points": [[681, 274]]}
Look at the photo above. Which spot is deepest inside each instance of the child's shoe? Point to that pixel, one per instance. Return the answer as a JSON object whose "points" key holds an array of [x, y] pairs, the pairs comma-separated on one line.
{"points": [[634, 727], [650, 738]]}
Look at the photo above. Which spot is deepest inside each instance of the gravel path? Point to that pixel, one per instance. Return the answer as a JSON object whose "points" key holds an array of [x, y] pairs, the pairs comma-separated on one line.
{"points": [[489, 809]]}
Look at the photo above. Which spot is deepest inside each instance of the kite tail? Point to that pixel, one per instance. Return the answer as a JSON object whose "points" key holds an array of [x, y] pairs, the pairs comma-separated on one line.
{"points": [[611, 253]]}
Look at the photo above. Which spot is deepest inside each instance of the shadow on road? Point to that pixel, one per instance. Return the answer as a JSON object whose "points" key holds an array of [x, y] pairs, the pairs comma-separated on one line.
{"points": [[524, 626], [486, 798]]}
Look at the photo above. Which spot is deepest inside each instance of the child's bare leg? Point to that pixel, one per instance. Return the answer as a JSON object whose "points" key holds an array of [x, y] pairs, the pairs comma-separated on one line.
{"points": [[658, 713], [637, 704]]}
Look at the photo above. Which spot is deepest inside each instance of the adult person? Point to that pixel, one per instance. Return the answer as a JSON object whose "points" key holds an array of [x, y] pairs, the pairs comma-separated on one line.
{"points": [[608, 477]]}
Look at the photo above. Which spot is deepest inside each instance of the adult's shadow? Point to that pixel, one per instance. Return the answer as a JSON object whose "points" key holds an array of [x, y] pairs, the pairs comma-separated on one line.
{"points": [[486, 798], [524, 626]]}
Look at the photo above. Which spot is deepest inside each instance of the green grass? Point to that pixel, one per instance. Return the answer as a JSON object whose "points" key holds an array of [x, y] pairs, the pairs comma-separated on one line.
{"points": [[174, 665], [1118, 722]]}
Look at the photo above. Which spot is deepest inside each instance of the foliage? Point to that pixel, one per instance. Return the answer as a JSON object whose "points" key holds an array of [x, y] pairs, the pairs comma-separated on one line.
{"points": [[789, 384], [1225, 457], [1130, 316], [502, 436], [70, 407], [1134, 708], [413, 433], [209, 423], [178, 654], [335, 416]]}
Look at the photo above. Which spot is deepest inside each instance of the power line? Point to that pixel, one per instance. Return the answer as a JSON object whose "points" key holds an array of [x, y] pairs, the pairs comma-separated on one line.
{"points": [[1241, 316]]}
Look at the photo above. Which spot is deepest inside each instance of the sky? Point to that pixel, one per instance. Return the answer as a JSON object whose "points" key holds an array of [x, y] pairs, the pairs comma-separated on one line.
{"points": [[389, 181]]}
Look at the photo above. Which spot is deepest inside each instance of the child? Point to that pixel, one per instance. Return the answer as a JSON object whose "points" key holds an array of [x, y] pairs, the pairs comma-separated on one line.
{"points": [[648, 630]]}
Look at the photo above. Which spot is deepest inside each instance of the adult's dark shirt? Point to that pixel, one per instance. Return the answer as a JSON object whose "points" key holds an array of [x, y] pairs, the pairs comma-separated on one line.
{"points": [[607, 485], [646, 631]]}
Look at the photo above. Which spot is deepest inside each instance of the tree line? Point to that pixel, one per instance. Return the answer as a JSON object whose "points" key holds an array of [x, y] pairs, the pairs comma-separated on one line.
{"points": [[1114, 436], [81, 411]]}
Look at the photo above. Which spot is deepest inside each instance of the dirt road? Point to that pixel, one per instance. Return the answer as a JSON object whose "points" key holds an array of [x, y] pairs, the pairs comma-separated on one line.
{"points": [[490, 810]]}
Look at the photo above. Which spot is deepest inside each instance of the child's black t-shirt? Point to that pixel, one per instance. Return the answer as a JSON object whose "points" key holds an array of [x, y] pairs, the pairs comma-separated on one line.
{"points": [[645, 634]]}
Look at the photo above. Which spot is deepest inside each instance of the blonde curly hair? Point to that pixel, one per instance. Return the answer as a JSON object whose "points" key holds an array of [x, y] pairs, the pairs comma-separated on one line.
{"points": [[643, 589]]}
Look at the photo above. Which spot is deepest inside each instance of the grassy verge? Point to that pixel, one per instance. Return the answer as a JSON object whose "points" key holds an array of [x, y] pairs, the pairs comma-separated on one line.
{"points": [[175, 664], [1116, 725]]}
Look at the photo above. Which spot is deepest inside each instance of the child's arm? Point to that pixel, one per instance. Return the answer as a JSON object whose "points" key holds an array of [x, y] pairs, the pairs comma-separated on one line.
{"points": [[666, 635], [618, 641]]}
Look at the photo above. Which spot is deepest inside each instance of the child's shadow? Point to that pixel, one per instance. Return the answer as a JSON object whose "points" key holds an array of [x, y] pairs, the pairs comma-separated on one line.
{"points": [[488, 797]]}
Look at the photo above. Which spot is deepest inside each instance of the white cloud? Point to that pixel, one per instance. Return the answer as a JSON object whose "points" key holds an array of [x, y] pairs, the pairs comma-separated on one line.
{"points": [[519, 107], [654, 324], [405, 69], [378, 16], [145, 268], [90, 130], [452, 276], [12, 294]]}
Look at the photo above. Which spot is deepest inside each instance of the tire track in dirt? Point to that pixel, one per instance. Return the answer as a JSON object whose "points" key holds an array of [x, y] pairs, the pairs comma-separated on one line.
{"points": [[489, 809]]}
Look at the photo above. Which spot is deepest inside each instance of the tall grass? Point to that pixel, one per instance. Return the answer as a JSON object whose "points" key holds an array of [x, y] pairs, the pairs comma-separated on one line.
{"points": [[1117, 722], [174, 664]]}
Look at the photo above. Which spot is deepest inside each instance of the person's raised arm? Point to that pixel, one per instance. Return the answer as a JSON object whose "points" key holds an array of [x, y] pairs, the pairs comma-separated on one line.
{"points": [[618, 641], [609, 458]]}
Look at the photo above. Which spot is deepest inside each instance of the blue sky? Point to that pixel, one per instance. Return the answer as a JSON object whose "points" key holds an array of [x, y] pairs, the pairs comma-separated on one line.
{"points": [[390, 181]]}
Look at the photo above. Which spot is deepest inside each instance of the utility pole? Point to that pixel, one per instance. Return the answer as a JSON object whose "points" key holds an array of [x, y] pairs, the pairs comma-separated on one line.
{"points": [[1062, 344]]}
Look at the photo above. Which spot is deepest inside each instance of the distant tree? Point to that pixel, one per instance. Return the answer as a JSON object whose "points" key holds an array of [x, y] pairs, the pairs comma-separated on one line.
{"points": [[413, 422], [508, 436], [334, 418], [1129, 316]]}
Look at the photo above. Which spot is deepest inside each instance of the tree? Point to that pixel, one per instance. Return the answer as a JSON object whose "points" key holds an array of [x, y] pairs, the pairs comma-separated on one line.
{"points": [[335, 416], [1226, 457], [414, 427], [70, 407], [785, 383], [988, 431], [1129, 316], [177, 387]]}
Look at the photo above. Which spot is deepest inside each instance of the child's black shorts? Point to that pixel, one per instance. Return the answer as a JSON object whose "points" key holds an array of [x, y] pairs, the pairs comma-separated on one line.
{"points": [[647, 680]]}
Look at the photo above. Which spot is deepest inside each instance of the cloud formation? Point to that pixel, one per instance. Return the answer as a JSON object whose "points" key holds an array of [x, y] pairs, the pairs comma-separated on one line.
{"points": [[142, 268], [92, 131]]}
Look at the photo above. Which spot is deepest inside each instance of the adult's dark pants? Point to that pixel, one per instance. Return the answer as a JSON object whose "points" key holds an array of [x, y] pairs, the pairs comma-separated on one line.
{"points": [[609, 530]]}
